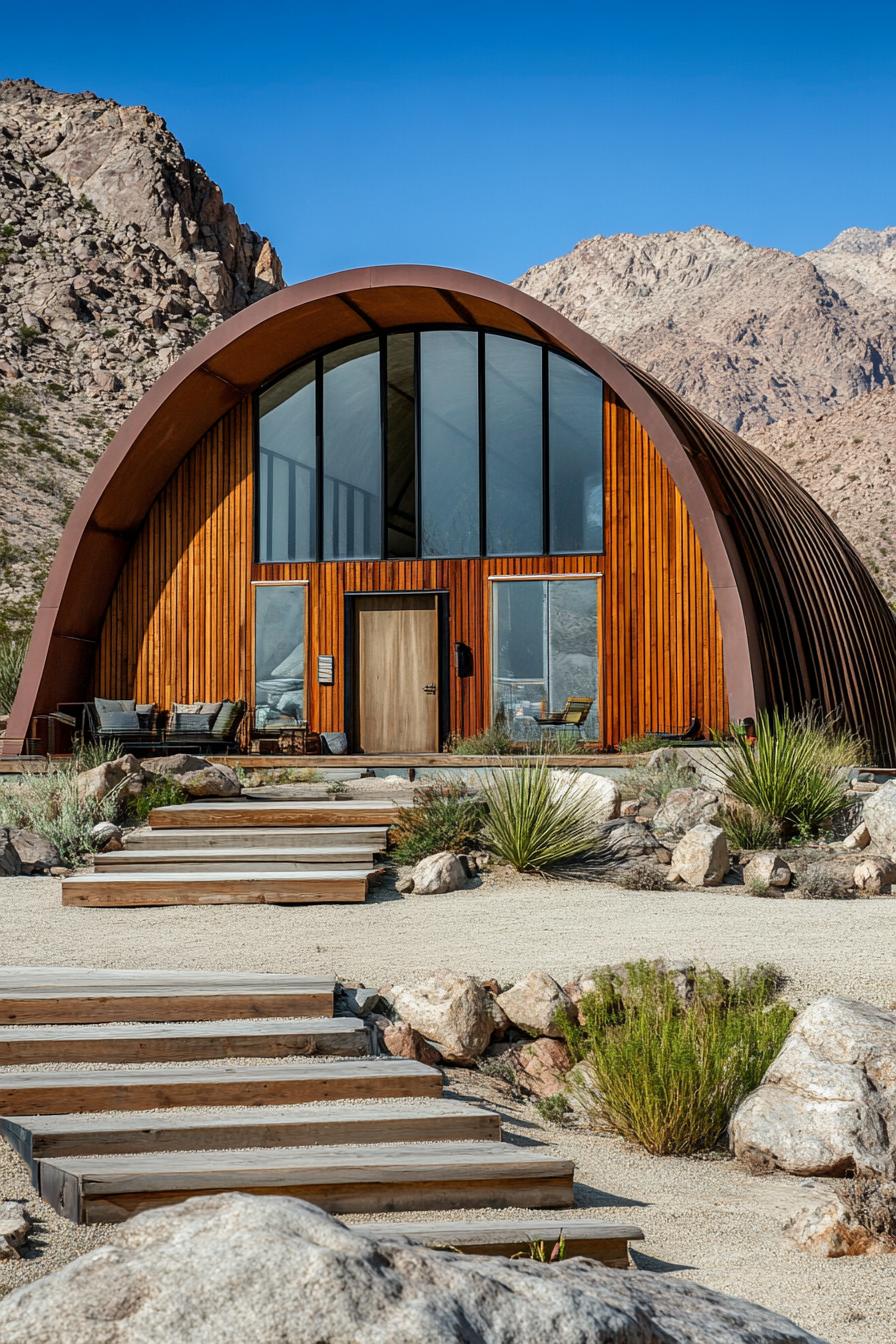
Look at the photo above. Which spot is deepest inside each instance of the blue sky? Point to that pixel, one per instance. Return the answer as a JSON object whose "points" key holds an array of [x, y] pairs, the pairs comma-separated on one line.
{"points": [[495, 136]]}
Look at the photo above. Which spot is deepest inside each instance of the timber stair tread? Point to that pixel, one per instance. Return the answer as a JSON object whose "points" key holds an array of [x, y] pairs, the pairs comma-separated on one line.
{"points": [[58, 1091], [39, 1136], [60, 994], [605, 1242], [251, 812], [246, 837], [249, 859], [224, 887], [338, 1178], [139, 1042]]}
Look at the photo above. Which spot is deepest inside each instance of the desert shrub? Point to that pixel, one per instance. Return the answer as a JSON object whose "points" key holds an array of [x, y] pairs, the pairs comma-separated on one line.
{"points": [[444, 815], [88, 753], [639, 744], [871, 1201], [555, 1109], [789, 777], [747, 829], [535, 821], [12, 657], [544, 1252], [641, 875], [498, 1067], [495, 741], [162, 791], [657, 781], [670, 1070], [819, 883], [49, 805]]}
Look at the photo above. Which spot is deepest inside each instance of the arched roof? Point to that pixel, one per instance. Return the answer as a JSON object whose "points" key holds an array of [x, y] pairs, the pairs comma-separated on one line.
{"points": [[774, 558]]}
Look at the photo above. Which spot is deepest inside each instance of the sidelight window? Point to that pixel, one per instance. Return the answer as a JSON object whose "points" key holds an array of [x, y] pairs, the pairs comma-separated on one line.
{"points": [[279, 656]]}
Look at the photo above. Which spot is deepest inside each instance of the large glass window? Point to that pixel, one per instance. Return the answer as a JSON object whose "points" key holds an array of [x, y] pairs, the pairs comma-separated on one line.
{"points": [[513, 447], [544, 650], [433, 443], [279, 657], [352, 436], [575, 397], [449, 442], [287, 476]]}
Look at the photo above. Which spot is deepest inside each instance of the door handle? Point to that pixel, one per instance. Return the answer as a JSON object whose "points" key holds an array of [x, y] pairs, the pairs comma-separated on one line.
{"points": [[430, 689]]}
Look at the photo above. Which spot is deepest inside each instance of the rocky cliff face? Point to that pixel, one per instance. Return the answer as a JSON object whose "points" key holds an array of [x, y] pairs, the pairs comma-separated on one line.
{"points": [[116, 254], [749, 334]]}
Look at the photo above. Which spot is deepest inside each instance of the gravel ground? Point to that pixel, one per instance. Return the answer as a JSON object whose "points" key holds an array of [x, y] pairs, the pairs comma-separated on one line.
{"points": [[703, 1219]]}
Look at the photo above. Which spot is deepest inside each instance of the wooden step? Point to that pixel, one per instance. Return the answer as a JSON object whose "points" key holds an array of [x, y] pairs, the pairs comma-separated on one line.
{"points": [[364, 1179], [30, 994], [247, 812], [58, 1091], [140, 1043], [371, 838], [312, 887], [252, 860], [606, 1242], [38, 1136]]}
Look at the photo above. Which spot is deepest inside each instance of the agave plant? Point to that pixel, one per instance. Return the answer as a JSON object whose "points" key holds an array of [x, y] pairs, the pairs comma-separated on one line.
{"points": [[537, 819]]}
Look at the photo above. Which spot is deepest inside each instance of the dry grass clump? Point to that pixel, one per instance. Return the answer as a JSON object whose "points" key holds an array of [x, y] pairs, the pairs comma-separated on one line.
{"points": [[871, 1202], [669, 1070], [444, 815], [818, 883], [657, 781], [640, 875], [49, 805]]}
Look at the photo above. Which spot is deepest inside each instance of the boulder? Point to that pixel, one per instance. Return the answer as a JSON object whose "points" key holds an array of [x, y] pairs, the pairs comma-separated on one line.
{"points": [[827, 1104], [125, 774], [533, 1004], [860, 838], [450, 1010], [598, 797], [105, 837], [500, 1021], [700, 859], [683, 809], [621, 840], [196, 776], [582, 1092], [10, 864], [540, 1066], [767, 869], [400, 1039], [36, 854], [874, 877], [879, 815], [438, 873], [826, 1224], [15, 1229], [241, 1267], [405, 885]]}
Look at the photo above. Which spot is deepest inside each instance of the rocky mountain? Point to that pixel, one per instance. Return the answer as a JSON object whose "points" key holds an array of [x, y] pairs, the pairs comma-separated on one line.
{"points": [[116, 253], [749, 334]]}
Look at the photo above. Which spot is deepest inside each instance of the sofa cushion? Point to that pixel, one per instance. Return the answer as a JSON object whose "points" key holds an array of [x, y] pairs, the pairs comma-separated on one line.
{"points": [[113, 706], [199, 725], [120, 721], [228, 716]]}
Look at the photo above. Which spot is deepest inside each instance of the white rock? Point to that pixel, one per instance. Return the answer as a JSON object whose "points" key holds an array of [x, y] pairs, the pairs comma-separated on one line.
{"points": [[125, 774], [533, 1003], [196, 776], [238, 1269], [598, 796], [438, 873], [826, 1225], [106, 836], [451, 1010], [875, 877], [827, 1104], [860, 838], [701, 858], [683, 809], [767, 869], [879, 816]]}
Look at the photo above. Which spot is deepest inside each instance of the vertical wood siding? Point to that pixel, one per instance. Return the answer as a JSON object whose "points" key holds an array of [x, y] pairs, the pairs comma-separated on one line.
{"points": [[180, 623]]}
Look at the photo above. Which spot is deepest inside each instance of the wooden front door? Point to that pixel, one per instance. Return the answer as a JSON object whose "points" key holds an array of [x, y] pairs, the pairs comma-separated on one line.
{"points": [[397, 673]]}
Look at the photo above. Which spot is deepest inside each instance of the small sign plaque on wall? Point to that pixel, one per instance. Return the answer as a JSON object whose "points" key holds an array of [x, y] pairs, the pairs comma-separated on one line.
{"points": [[325, 669]]}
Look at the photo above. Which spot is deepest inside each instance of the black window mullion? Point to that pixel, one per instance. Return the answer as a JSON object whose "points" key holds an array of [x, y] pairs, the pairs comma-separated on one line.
{"points": [[319, 455], [418, 455], [545, 455], [483, 537], [384, 451]]}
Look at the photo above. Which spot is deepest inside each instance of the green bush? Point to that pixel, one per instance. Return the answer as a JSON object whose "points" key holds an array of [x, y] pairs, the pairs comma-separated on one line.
{"points": [[495, 741], [535, 821], [159, 792], [668, 1070], [639, 744], [790, 776], [444, 815], [657, 781], [12, 658], [49, 805]]}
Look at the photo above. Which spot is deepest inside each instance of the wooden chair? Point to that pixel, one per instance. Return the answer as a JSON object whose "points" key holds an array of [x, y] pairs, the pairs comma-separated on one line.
{"points": [[574, 714]]}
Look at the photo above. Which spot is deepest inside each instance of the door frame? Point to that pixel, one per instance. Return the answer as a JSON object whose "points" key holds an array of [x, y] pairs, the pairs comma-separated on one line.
{"points": [[351, 657]]}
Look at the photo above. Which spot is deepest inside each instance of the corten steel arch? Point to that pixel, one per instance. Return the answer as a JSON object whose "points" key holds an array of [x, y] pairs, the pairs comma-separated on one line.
{"points": [[801, 619]]}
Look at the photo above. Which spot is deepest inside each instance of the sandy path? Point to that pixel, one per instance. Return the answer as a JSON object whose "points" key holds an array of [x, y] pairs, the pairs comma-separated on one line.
{"points": [[705, 1219]]}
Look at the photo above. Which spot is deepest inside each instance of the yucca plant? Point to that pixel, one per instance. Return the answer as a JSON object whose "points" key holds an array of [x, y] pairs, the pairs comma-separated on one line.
{"points": [[12, 658], [537, 820], [790, 775], [668, 1072]]}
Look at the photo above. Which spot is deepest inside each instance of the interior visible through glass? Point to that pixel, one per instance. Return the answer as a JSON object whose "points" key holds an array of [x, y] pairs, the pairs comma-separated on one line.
{"points": [[279, 657], [401, 466], [449, 449], [352, 437], [544, 650], [513, 437], [287, 475], [575, 398]]}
